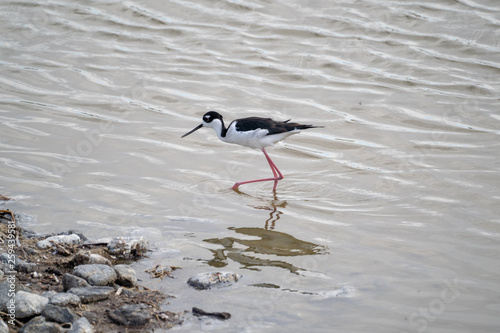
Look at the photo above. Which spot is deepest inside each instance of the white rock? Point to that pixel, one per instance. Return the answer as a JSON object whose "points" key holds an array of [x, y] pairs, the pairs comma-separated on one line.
{"points": [[72, 239], [123, 246], [213, 279]]}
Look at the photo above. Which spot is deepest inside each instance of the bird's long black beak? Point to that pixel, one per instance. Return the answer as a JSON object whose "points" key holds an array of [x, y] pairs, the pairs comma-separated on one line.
{"points": [[194, 129]]}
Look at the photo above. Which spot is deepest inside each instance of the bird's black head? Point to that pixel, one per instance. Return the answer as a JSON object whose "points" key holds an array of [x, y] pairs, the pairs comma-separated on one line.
{"points": [[210, 116], [207, 121]]}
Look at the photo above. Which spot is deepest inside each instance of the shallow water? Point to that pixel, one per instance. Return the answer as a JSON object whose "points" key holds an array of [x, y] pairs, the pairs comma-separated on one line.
{"points": [[387, 219]]}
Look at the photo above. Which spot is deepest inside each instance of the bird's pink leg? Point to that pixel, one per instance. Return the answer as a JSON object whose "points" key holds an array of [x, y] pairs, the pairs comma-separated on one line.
{"points": [[276, 172]]}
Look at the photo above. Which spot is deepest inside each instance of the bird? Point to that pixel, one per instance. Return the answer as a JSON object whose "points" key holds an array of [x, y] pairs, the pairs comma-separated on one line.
{"points": [[253, 132]]}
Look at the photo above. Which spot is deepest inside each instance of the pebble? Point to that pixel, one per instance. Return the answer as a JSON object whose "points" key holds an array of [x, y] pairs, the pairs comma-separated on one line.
{"points": [[123, 246], [65, 299], [38, 325], [82, 325], [72, 239], [71, 281], [125, 275], [28, 304], [131, 315], [96, 274], [208, 280], [92, 294]]}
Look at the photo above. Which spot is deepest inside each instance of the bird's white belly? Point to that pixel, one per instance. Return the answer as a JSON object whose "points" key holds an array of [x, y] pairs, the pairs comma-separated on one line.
{"points": [[254, 139]]}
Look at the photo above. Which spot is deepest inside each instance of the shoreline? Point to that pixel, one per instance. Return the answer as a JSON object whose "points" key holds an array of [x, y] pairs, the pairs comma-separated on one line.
{"points": [[66, 283]]}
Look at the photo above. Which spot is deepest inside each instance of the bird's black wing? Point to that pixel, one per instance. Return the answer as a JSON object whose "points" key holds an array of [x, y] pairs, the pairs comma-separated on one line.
{"points": [[274, 127]]}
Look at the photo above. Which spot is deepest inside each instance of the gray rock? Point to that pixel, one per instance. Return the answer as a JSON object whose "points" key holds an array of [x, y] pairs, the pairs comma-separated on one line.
{"points": [[125, 275], [213, 279], [20, 265], [72, 239], [71, 281], [31, 251], [3, 326], [65, 299], [82, 325], [123, 246], [96, 275], [4, 257], [92, 317], [81, 258], [28, 304], [49, 294], [38, 325], [7, 287], [131, 315], [92, 294], [85, 257], [59, 314]]}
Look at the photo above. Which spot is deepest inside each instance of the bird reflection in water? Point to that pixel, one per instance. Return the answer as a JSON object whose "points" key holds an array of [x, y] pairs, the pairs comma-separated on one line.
{"points": [[262, 241], [274, 215]]}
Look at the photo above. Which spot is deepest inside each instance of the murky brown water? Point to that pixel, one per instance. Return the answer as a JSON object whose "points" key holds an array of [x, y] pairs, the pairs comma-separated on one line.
{"points": [[387, 219]]}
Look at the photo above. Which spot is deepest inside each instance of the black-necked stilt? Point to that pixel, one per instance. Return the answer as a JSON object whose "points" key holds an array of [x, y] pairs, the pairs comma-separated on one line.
{"points": [[253, 132]]}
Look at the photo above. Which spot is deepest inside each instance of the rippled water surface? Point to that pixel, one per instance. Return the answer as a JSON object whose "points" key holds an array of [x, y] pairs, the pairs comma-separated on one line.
{"points": [[388, 217]]}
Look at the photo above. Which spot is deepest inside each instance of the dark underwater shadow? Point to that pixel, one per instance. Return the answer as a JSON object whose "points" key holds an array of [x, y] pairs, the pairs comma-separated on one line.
{"points": [[269, 242]]}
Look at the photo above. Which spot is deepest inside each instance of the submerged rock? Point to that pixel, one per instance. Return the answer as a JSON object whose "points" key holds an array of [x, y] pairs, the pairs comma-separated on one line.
{"points": [[28, 304], [208, 280], [72, 239], [219, 315], [131, 315], [95, 274]]}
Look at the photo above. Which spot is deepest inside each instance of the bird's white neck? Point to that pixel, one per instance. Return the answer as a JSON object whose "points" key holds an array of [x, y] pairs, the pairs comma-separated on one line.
{"points": [[218, 126]]}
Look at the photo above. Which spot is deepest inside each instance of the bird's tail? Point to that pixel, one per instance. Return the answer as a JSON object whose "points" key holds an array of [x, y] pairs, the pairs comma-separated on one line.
{"points": [[301, 127]]}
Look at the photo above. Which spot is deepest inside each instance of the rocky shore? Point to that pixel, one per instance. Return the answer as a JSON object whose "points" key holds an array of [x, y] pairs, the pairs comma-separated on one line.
{"points": [[67, 283]]}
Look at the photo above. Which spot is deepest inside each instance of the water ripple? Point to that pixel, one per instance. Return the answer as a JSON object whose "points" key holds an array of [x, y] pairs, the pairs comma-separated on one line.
{"points": [[95, 96]]}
